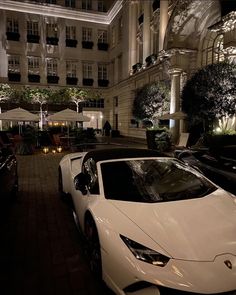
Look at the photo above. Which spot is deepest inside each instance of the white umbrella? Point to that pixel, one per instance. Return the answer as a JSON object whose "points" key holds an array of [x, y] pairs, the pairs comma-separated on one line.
{"points": [[68, 115], [173, 116], [19, 115]]}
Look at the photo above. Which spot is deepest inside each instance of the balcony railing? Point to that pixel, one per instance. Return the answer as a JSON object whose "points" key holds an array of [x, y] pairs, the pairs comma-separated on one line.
{"points": [[52, 40], [87, 44], [71, 43], [87, 82], [103, 82], [13, 36], [14, 77], [34, 78], [33, 38], [71, 80], [52, 79], [103, 46]]}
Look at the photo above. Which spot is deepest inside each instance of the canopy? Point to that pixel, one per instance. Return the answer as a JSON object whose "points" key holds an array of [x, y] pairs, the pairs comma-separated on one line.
{"points": [[68, 115], [173, 116], [19, 115]]}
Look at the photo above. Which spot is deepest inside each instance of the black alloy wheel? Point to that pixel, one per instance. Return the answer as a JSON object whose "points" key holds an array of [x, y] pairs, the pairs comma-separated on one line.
{"points": [[94, 249]]}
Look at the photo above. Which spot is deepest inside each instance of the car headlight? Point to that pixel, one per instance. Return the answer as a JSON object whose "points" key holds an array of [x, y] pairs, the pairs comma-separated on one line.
{"points": [[145, 254]]}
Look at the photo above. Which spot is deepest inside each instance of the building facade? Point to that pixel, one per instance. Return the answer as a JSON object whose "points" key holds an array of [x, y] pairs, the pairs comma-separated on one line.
{"points": [[113, 47]]}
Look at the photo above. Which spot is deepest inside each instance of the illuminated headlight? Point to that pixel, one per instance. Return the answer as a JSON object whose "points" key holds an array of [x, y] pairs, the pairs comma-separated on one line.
{"points": [[145, 254]]}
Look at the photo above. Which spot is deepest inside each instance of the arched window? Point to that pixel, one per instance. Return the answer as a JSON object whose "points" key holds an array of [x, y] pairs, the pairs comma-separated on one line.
{"points": [[212, 51]]}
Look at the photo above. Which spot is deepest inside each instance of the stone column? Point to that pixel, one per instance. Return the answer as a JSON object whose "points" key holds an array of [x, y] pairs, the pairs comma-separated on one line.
{"points": [[133, 33], [175, 74], [146, 31], [163, 22]]}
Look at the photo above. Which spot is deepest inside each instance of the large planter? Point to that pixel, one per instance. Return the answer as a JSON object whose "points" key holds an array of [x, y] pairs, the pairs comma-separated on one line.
{"points": [[150, 136]]}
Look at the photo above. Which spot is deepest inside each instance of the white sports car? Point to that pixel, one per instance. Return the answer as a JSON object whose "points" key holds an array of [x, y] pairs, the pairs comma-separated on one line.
{"points": [[153, 224]]}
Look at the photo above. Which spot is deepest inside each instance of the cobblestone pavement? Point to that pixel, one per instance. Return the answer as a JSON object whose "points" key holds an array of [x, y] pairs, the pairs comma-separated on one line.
{"points": [[41, 250]]}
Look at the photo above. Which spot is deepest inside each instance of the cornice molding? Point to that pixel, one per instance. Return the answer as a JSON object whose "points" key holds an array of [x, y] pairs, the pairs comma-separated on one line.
{"points": [[56, 11]]}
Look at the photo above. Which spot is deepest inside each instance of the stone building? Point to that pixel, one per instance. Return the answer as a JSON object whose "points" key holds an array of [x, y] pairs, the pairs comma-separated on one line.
{"points": [[113, 47]]}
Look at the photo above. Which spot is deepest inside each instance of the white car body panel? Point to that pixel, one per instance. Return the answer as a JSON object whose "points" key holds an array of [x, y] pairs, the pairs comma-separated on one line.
{"points": [[198, 235]]}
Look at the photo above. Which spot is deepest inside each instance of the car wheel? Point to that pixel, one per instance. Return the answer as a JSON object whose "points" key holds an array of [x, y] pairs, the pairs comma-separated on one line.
{"points": [[94, 250]]}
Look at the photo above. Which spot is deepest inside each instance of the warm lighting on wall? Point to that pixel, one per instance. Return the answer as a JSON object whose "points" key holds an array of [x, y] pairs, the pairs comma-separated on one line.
{"points": [[45, 150]]}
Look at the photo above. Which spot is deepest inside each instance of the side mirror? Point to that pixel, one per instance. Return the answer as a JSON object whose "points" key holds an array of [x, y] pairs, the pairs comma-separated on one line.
{"points": [[81, 182]]}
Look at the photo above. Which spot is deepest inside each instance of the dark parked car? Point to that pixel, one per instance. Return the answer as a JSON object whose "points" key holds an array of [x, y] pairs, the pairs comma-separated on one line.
{"points": [[218, 167], [8, 173]]}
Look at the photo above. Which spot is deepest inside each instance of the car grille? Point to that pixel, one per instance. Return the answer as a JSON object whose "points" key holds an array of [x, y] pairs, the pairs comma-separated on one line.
{"points": [[167, 291]]}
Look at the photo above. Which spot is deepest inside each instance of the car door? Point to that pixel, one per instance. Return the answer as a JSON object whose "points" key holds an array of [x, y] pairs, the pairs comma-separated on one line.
{"points": [[83, 201]]}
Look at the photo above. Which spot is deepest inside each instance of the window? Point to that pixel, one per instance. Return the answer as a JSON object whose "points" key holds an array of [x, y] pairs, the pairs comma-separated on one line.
{"points": [[32, 28], [70, 3], [13, 64], [12, 25], [113, 37], [87, 4], [94, 103], [119, 67], [33, 65], [51, 30], [87, 71], [71, 68], [101, 6], [52, 67], [51, 1], [212, 51], [102, 36], [120, 27], [102, 72], [86, 34], [71, 32]]}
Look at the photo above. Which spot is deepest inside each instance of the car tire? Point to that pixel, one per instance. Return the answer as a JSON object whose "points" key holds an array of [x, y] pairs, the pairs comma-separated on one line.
{"points": [[93, 247]]}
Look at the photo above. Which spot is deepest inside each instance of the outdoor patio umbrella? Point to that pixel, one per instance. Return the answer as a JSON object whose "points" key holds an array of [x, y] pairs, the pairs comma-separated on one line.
{"points": [[19, 115], [67, 116], [173, 116]]}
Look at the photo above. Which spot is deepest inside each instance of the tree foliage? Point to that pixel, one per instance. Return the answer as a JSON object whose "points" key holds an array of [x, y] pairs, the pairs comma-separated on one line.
{"points": [[151, 100], [5, 92], [210, 94]]}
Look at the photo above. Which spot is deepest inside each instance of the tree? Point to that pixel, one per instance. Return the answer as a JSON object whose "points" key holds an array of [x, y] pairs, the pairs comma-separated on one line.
{"points": [[5, 94], [40, 96], [151, 100], [77, 96], [210, 94]]}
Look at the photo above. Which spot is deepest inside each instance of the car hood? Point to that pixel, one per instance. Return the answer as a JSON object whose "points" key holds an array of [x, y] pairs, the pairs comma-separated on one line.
{"points": [[196, 229]]}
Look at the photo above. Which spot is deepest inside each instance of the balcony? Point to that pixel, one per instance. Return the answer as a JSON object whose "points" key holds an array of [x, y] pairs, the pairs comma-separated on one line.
{"points": [[52, 79], [13, 36], [34, 78], [87, 82], [103, 46], [71, 43], [87, 44], [103, 82], [14, 77], [71, 80], [52, 40]]}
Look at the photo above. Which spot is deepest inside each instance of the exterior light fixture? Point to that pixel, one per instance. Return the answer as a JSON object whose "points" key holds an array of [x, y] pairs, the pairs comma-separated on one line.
{"points": [[53, 151], [45, 150], [59, 149]]}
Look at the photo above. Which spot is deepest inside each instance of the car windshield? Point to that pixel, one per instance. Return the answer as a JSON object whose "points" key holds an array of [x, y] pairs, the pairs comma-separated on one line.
{"points": [[152, 180]]}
